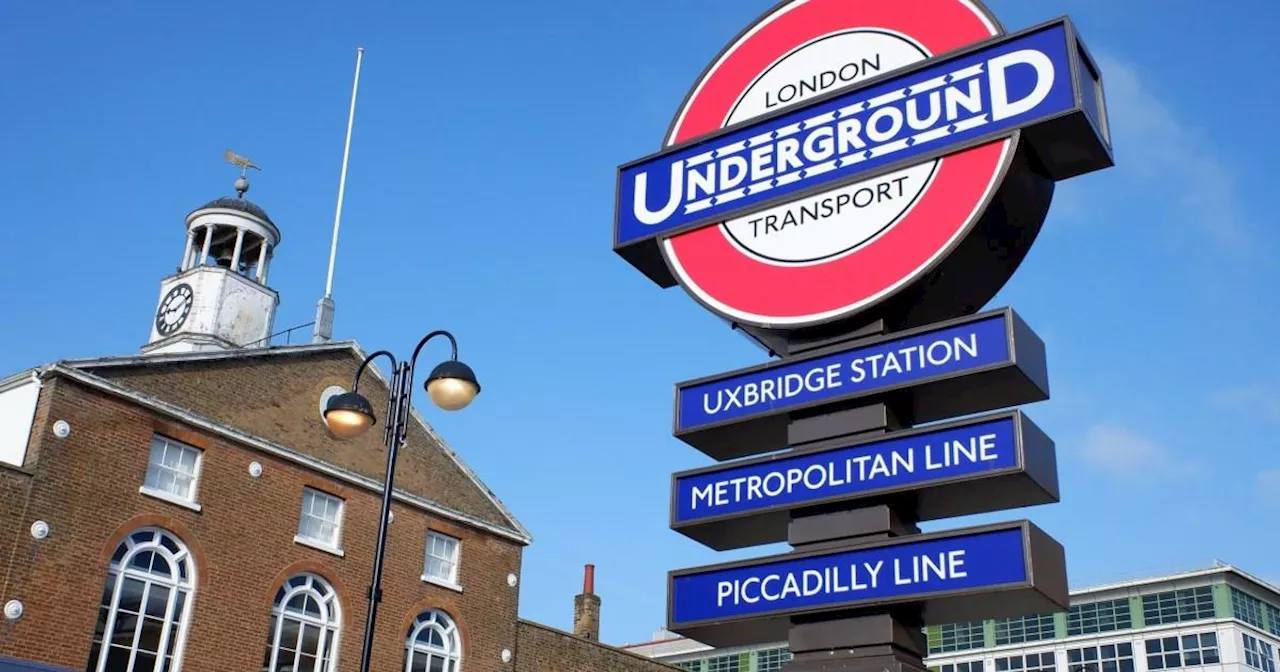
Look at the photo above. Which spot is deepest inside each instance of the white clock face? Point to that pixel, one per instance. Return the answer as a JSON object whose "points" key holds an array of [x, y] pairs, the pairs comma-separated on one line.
{"points": [[174, 309]]}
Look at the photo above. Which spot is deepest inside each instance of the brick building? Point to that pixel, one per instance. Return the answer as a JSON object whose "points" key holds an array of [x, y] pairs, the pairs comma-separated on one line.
{"points": [[187, 509]]}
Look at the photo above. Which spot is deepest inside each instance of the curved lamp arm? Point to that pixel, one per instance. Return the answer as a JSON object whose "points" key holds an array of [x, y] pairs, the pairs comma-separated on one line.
{"points": [[355, 382], [413, 361]]}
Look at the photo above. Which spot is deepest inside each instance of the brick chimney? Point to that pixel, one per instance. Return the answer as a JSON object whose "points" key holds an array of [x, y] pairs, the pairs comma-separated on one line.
{"points": [[586, 608]]}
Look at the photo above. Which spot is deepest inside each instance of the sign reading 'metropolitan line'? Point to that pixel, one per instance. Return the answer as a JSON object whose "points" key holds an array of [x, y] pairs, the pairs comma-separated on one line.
{"points": [[848, 182]]}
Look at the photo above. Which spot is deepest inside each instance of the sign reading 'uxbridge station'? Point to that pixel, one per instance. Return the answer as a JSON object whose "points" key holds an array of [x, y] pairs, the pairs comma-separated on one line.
{"points": [[849, 183], [994, 359]]}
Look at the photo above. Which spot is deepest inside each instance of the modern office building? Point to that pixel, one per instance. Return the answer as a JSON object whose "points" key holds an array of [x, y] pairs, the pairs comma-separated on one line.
{"points": [[185, 509], [1212, 620]]}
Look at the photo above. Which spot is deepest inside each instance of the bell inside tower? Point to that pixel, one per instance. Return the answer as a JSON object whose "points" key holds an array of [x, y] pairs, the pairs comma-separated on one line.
{"points": [[236, 248]]}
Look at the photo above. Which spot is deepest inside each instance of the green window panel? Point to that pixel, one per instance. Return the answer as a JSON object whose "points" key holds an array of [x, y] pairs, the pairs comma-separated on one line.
{"points": [[1178, 606], [1135, 611], [1060, 625], [1247, 608], [960, 637], [1273, 620], [1101, 616], [933, 638], [731, 663], [1023, 629], [771, 660], [1222, 600]]}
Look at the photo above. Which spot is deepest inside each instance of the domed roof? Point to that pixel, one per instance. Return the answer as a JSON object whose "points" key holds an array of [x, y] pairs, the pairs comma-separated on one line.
{"points": [[238, 203]]}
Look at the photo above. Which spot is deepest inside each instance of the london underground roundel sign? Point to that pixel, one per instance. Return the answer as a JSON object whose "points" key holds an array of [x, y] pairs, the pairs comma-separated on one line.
{"points": [[854, 147], [837, 251]]}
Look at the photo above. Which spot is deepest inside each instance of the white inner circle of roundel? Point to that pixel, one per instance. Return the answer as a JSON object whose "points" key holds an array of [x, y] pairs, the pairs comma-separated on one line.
{"points": [[830, 224]]}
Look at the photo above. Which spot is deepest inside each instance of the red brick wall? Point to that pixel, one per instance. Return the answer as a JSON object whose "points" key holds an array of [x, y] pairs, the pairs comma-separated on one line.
{"points": [[277, 398], [544, 649], [86, 487]]}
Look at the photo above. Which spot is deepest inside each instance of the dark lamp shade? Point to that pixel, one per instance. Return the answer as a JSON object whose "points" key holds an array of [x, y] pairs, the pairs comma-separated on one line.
{"points": [[452, 385], [349, 415]]}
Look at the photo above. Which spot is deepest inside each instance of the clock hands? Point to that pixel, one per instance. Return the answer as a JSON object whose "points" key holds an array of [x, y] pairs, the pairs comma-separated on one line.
{"points": [[174, 309]]}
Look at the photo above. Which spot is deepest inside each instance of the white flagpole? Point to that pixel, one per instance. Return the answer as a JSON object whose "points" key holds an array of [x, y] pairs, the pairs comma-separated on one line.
{"points": [[342, 180], [323, 330]]}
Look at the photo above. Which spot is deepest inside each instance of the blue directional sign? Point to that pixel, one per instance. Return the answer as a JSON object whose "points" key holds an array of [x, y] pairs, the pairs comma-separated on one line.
{"points": [[978, 465], [876, 367], [942, 571], [854, 470], [1012, 82], [996, 343]]}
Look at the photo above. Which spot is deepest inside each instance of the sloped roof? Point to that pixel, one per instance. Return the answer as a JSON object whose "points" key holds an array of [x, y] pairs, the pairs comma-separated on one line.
{"points": [[242, 204], [273, 394]]}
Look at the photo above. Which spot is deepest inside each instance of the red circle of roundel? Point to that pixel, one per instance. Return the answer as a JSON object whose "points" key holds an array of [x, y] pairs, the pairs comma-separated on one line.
{"points": [[752, 291]]}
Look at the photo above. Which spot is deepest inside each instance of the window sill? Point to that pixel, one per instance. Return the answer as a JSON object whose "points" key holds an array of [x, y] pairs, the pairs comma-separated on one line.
{"points": [[318, 546], [443, 584], [169, 497]]}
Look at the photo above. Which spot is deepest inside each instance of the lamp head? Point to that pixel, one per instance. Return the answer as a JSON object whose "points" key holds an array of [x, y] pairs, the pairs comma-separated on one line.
{"points": [[452, 385], [349, 415]]}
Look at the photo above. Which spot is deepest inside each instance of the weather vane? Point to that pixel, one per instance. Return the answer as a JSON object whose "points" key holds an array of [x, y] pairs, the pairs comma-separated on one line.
{"points": [[242, 183]]}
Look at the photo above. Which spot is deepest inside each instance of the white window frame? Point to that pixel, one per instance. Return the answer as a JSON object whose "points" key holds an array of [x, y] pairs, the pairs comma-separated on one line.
{"points": [[453, 582], [1136, 654], [329, 622], [772, 660], [724, 663], [1262, 649], [336, 546], [440, 622], [175, 625], [165, 444], [972, 665], [1050, 656]]}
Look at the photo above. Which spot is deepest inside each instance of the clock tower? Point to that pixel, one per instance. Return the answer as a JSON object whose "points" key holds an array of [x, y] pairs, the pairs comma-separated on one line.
{"points": [[219, 298]]}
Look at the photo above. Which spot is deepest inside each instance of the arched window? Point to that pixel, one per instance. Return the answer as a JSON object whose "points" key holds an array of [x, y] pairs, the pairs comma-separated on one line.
{"points": [[304, 626], [433, 644], [143, 617]]}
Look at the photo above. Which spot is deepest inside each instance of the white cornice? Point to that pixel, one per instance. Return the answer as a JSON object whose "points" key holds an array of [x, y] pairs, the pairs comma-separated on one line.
{"points": [[174, 357]]}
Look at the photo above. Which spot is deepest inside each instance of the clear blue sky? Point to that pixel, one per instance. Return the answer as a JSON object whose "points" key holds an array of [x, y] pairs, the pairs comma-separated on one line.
{"points": [[479, 200]]}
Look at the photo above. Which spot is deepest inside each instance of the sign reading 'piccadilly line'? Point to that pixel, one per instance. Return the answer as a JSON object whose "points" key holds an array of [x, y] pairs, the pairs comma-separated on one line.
{"points": [[1003, 556], [836, 155]]}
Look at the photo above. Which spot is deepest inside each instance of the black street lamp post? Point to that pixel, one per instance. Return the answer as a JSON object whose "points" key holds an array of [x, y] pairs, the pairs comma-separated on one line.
{"points": [[451, 385]]}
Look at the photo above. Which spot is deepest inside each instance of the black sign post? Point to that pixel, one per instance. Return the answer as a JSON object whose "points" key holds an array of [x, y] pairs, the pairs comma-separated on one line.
{"points": [[888, 634], [878, 640]]}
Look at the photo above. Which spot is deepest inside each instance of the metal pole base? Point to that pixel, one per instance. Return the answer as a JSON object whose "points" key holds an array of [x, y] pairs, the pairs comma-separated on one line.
{"points": [[872, 643], [853, 661]]}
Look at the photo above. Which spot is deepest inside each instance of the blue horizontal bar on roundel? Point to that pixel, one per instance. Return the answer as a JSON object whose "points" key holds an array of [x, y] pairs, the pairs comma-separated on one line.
{"points": [[978, 465], [993, 571], [970, 365], [1040, 80]]}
